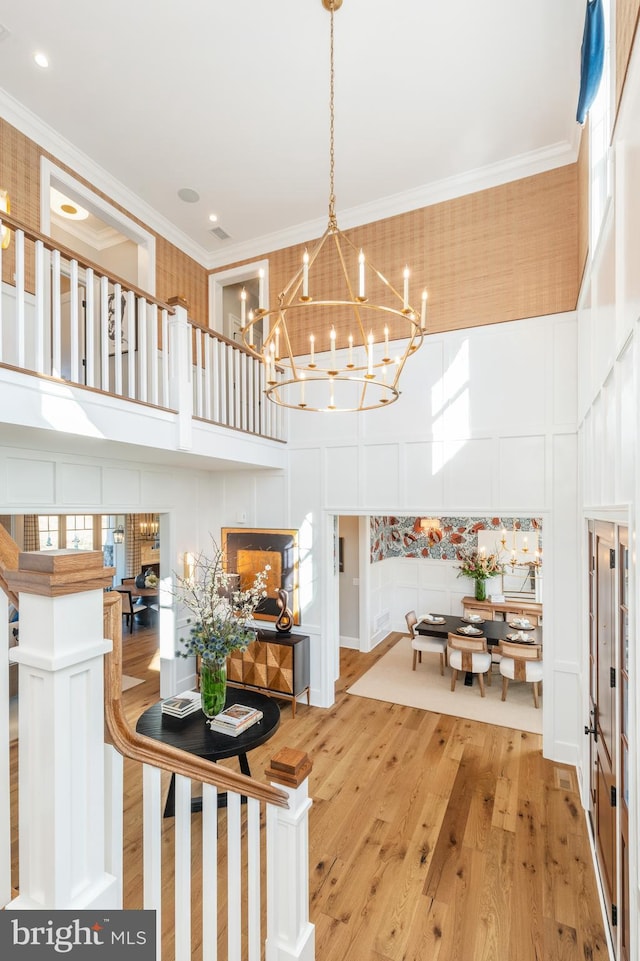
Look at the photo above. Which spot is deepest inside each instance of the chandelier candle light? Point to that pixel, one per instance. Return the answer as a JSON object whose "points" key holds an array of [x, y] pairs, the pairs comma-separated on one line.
{"points": [[359, 373]]}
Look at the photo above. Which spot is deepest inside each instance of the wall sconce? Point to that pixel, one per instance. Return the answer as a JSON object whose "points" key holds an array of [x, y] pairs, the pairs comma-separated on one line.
{"points": [[5, 206], [430, 527], [118, 535], [189, 566]]}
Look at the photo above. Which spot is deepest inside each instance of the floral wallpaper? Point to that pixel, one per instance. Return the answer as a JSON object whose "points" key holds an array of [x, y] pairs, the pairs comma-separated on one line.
{"points": [[403, 536]]}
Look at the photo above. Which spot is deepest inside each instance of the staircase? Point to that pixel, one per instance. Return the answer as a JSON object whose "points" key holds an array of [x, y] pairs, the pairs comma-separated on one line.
{"points": [[230, 885]]}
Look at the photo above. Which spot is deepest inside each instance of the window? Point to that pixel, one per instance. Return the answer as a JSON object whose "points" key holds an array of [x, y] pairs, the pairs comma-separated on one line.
{"points": [[599, 136]]}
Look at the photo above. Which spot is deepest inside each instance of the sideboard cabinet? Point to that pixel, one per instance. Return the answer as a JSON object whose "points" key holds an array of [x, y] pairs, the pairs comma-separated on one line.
{"points": [[275, 664], [504, 610]]}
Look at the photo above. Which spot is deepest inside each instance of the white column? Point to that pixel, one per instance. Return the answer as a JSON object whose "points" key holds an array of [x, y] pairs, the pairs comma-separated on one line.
{"points": [[180, 373], [290, 935], [61, 731]]}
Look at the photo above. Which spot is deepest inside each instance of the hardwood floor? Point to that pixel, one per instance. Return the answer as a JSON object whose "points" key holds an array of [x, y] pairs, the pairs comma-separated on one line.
{"points": [[432, 838]]}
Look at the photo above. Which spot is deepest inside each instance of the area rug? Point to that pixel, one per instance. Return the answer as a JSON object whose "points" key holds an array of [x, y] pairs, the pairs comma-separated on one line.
{"points": [[391, 679], [129, 682]]}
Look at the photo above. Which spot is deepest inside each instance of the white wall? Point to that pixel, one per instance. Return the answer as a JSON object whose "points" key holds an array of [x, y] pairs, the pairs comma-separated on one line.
{"points": [[189, 501], [609, 396], [486, 423]]}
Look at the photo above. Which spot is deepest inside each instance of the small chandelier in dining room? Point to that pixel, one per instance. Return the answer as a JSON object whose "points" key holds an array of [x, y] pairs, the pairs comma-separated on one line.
{"points": [[330, 334]]}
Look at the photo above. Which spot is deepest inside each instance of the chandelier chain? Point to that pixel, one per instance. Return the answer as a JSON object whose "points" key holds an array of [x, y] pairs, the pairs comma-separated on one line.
{"points": [[332, 153]]}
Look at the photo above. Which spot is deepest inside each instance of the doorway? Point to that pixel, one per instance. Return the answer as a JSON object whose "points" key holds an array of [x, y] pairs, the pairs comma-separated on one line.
{"points": [[608, 551]]}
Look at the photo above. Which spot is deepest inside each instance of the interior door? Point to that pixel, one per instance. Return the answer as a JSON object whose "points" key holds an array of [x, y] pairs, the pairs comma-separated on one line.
{"points": [[603, 706], [623, 688]]}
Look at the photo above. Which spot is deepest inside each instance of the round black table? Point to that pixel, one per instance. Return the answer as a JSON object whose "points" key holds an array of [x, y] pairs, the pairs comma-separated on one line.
{"points": [[193, 734]]}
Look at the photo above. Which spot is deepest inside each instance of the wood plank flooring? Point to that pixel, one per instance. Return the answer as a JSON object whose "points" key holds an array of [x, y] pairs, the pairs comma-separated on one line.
{"points": [[432, 838]]}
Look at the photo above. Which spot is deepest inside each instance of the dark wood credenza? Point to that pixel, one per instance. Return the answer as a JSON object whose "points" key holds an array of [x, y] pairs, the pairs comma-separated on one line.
{"points": [[274, 663]]}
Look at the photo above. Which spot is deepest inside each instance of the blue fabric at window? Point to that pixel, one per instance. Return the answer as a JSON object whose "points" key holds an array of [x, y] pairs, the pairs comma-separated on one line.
{"points": [[591, 58]]}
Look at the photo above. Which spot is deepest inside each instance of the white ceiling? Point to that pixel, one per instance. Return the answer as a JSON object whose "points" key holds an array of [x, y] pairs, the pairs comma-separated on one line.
{"points": [[231, 99]]}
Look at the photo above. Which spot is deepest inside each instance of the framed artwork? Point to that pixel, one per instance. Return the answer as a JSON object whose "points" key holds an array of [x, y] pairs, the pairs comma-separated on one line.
{"points": [[249, 550], [128, 326]]}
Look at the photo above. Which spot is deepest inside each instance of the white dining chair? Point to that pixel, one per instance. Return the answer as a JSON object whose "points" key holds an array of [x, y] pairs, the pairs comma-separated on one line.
{"points": [[422, 642], [469, 654], [130, 607], [521, 662]]}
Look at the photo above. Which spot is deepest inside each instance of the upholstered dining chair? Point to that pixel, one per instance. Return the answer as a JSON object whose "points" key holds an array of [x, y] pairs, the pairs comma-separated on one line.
{"points": [[422, 642], [521, 662], [130, 607], [469, 654]]}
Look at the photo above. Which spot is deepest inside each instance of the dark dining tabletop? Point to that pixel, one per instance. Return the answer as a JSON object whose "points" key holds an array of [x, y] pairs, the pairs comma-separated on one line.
{"points": [[494, 631]]}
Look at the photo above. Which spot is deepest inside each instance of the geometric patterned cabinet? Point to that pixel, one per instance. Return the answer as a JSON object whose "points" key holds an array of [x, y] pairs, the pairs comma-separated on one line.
{"points": [[274, 662]]}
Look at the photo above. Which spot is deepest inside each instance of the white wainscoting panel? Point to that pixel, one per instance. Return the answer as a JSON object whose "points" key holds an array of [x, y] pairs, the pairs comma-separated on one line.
{"points": [[79, 484], [342, 475], [522, 471], [381, 462]]}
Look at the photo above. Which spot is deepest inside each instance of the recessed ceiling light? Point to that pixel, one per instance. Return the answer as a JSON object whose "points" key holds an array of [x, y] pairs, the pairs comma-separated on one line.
{"points": [[213, 218], [65, 207], [188, 195], [41, 59]]}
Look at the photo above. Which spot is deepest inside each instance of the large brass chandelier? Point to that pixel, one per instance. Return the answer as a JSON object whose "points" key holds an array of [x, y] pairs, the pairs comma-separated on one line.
{"points": [[340, 333]]}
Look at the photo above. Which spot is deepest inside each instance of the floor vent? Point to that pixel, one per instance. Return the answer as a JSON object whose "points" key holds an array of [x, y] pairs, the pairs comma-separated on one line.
{"points": [[564, 779], [381, 621]]}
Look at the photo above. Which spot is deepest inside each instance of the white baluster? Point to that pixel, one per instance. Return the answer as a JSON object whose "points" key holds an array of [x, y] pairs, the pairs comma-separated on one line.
{"points": [[40, 292], [207, 377], [199, 336], [117, 338], [182, 880], [216, 379], [74, 322], [152, 847], [104, 331], [143, 357], [165, 358], [153, 352], [209, 872], [234, 877], [89, 342], [253, 880], [56, 316], [132, 342], [20, 324]]}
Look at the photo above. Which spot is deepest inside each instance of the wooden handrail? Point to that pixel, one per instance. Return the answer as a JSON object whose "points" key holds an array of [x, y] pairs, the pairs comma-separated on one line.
{"points": [[146, 750], [221, 338], [9, 553], [8, 221]]}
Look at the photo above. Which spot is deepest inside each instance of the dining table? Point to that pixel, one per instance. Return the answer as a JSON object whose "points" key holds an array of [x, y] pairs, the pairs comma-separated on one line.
{"points": [[494, 631], [441, 625]]}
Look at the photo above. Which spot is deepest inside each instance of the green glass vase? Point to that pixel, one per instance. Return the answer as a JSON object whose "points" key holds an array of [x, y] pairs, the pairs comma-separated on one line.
{"points": [[213, 686], [481, 589]]}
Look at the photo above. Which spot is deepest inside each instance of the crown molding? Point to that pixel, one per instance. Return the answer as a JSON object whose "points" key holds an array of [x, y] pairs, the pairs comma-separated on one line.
{"points": [[515, 168], [524, 165], [63, 150]]}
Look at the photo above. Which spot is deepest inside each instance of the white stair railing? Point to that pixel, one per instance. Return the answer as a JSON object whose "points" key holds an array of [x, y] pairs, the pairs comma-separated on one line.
{"points": [[65, 317], [247, 892]]}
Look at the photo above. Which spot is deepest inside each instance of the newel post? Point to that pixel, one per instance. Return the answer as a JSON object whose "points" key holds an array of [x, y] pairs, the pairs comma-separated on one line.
{"points": [[61, 730], [290, 935], [181, 371]]}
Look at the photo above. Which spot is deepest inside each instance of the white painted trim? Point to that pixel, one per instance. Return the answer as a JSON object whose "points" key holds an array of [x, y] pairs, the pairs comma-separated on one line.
{"points": [[234, 275], [516, 168], [145, 241], [523, 165], [50, 140]]}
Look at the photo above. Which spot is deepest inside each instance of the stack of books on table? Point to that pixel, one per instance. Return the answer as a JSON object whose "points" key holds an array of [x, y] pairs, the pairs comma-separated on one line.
{"points": [[235, 719], [182, 705]]}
